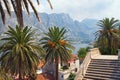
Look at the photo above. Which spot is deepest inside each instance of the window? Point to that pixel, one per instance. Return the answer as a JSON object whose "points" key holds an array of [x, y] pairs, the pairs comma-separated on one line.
{"points": [[62, 76], [69, 64], [75, 69], [74, 60]]}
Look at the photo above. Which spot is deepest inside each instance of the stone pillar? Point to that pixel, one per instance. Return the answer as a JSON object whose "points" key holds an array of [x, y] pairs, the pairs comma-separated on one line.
{"points": [[118, 54]]}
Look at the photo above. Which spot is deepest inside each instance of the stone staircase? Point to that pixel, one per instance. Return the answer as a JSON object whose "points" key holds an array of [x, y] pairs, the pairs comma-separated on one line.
{"points": [[103, 69]]}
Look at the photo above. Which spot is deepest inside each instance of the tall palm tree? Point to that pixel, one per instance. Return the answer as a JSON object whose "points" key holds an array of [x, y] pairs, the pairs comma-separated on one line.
{"points": [[20, 53], [57, 47], [18, 6], [107, 37]]}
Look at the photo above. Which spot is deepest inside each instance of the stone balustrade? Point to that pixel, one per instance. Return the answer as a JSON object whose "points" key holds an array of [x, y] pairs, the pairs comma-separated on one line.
{"points": [[118, 54], [91, 54]]}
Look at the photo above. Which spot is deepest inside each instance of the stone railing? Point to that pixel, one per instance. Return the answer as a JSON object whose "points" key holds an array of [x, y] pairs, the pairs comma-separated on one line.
{"points": [[83, 67], [118, 54], [94, 52]]}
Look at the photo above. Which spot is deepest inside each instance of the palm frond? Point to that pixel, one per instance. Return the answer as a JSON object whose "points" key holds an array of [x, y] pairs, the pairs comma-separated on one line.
{"points": [[7, 5], [50, 4], [17, 7], [2, 13], [26, 6]]}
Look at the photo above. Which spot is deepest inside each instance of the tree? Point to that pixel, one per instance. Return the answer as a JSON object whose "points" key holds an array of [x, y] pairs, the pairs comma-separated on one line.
{"points": [[71, 76], [57, 46], [17, 7], [82, 53], [88, 48], [20, 53], [108, 35]]}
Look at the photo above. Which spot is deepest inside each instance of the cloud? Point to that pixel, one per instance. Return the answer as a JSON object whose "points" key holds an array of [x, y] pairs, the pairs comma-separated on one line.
{"points": [[80, 9]]}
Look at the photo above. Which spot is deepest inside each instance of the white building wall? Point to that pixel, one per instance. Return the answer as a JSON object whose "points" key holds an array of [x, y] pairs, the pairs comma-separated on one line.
{"points": [[77, 64], [65, 74]]}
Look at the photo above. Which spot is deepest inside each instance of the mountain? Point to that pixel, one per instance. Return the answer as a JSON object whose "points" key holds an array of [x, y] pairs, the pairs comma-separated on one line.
{"points": [[78, 31]]}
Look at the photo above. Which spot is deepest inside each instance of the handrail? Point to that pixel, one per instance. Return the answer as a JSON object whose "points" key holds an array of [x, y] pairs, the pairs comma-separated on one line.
{"points": [[83, 67], [94, 52]]}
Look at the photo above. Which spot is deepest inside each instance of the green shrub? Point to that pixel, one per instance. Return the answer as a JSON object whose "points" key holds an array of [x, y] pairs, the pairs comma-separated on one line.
{"points": [[71, 76], [65, 67], [82, 52], [88, 48]]}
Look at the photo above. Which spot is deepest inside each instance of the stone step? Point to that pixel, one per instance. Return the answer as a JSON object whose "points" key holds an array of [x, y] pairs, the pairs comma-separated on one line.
{"points": [[106, 66], [106, 63], [96, 78], [104, 73], [105, 60], [112, 62], [102, 76], [102, 69]]}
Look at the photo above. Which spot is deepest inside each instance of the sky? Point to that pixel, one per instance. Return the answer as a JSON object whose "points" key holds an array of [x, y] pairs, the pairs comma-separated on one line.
{"points": [[81, 9]]}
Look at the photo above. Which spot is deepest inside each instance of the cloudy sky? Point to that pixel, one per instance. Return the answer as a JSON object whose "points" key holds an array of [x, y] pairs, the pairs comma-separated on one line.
{"points": [[81, 9]]}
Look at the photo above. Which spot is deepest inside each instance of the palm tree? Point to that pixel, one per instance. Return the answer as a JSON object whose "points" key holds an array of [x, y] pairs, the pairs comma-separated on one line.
{"points": [[57, 47], [20, 53], [18, 6], [107, 37]]}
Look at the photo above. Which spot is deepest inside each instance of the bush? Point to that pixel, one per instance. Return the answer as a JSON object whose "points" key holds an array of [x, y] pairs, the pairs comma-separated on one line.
{"points": [[65, 67], [88, 48], [82, 53], [71, 76]]}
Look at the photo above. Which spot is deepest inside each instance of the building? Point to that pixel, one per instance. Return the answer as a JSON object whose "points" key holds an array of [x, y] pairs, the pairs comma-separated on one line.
{"points": [[71, 66]]}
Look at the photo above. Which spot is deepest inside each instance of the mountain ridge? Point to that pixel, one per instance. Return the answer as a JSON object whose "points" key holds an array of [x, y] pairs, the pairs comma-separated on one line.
{"points": [[79, 31]]}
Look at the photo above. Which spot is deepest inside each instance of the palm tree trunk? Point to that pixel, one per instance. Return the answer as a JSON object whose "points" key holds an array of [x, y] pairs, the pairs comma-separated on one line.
{"points": [[20, 76], [20, 65], [109, 46], [56, 63]]}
